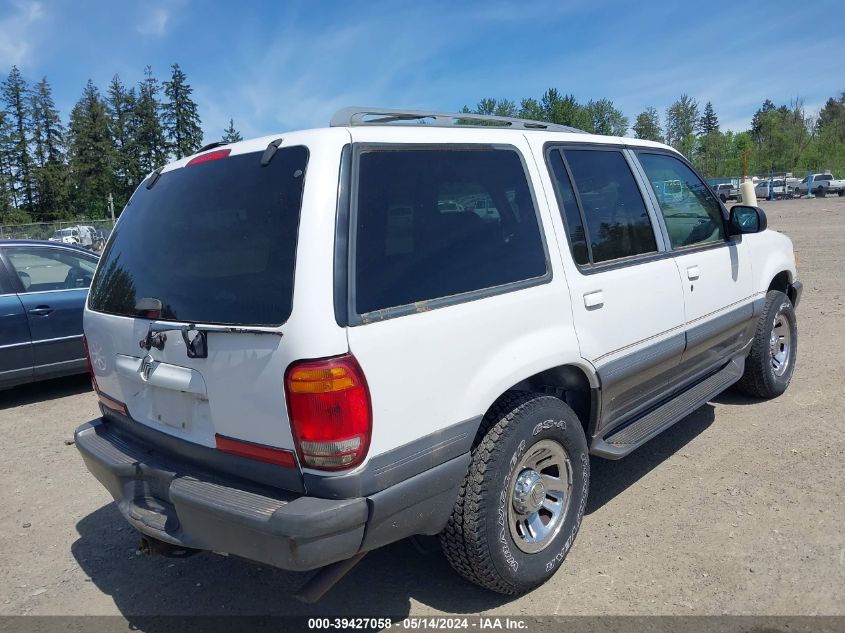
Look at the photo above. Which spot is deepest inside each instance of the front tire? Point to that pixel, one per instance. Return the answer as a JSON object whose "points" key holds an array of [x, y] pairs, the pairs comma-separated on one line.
{"points": [[524, 495], [771, 361]]}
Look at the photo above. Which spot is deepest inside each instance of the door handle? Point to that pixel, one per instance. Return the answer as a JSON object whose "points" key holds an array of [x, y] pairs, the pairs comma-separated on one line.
{"points": [[594, 299], [692, 273], [41, 310]]}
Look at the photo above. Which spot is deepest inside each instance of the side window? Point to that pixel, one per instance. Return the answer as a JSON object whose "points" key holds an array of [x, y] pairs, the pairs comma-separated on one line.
{"points": [[432, 223], [41, 269], [615, 215], [692, 214], [569, 208]]}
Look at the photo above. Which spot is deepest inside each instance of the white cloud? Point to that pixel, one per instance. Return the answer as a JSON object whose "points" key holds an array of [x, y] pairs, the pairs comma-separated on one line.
{"points": [[17, 38], [154, 21]]}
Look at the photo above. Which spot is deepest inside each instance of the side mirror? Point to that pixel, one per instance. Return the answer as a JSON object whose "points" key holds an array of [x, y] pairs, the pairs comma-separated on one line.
{"points": [[747, 219]]}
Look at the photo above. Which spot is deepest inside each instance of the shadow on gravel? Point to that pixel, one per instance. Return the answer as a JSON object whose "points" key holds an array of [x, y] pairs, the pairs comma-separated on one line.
{"points": [[44, 391], [734, 397], [380, 586], [608, 478]]}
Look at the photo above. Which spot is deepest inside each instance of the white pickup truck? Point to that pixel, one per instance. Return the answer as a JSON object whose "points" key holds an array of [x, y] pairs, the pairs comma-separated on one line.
{"points": [[822, 184]]}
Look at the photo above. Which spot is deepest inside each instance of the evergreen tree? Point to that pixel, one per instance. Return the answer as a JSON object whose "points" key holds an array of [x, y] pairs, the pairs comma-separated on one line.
{"points": [[50, 173], [230, 134], [757, 119], [91, 154], [121, 106], [681, 121], [564, 110], [605, 118], [7, 197], [15, 94], [831, 121], [531, 109], [180, 116], [708, 123], [647, 125], [148, 133]]}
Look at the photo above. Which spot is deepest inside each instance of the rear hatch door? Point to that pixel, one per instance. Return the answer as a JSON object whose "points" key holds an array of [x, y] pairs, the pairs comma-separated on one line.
{"points": [[209, 246]]}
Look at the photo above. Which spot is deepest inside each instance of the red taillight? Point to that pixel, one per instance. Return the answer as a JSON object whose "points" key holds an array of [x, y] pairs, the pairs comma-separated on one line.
{"points": [[90, 366], [330, 413], [105, 400], [259, 452], [204, 158]]}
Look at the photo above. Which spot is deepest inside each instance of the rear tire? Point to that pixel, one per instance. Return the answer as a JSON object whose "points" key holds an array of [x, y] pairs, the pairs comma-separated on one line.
{"points": [[524, 495], [771, 361]]}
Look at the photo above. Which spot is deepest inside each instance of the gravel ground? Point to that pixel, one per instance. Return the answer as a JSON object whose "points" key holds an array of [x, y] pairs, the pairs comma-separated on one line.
{"points": [[737, 509]]}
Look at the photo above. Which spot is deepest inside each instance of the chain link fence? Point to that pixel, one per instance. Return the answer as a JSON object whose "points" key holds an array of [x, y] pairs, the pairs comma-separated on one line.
{"points": [[81, 232]]}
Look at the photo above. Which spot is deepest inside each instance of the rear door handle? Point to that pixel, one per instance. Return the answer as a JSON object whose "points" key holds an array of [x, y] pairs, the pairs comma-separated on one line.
{"points": [[692, 273], [41, 310], [594, 299]]}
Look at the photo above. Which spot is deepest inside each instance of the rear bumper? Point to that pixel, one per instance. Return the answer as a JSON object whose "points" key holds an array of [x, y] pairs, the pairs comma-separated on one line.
{"points": [[168, 499]]}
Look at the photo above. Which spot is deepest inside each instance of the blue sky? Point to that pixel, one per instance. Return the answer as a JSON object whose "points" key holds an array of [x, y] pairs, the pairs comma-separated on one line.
{"points": [[276, 65]]}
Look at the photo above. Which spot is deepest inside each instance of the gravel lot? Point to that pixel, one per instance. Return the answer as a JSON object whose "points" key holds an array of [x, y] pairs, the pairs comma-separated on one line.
{"points": [[737, 509]]}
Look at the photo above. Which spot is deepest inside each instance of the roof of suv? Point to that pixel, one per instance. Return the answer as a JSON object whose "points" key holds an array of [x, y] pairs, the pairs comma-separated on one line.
{"points": [[396, 123]]}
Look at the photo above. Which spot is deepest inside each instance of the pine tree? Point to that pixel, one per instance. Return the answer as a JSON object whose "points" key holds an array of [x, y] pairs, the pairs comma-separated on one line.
{"points": [[121, 106], [681, 121], [605, 118], [182, 124], [149, 136], [15, 94], [50, 173], [709, 122], [647, 125], [6, 191], [230, 134], [91, 153]]}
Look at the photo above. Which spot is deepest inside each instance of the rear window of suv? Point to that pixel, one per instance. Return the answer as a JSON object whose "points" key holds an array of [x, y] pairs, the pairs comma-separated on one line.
{"points": [[215, 242], [434, 223]]}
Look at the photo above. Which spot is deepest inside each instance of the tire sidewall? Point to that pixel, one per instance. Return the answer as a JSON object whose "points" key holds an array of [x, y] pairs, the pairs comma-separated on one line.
{"points": [[552, 420], [780, 304]]}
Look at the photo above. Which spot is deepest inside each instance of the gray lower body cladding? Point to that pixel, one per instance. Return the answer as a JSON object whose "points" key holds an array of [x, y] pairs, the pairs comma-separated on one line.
{"points": [[165, 498]]}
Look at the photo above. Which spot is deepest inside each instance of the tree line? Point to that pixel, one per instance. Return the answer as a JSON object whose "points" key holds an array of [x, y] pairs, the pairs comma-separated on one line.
{"points": [[781, 138], [52, 171]]}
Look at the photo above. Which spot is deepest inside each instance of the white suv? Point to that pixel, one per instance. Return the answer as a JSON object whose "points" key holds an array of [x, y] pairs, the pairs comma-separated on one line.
{"points": [[307, 346]]}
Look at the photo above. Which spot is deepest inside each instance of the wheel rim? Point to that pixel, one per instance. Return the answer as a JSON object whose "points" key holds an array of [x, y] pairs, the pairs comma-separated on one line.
{"points": [[780, 344], [539, 496]]}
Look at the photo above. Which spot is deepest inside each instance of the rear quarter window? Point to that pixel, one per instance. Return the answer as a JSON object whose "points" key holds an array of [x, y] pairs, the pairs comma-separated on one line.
{"points": [[439, 222]]}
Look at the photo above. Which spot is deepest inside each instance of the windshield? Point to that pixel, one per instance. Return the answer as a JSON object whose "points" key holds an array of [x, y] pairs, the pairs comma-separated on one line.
{"points": [[214, 242]]}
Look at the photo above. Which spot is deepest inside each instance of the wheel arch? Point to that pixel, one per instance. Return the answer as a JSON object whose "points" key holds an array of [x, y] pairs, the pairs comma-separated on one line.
{"points": [[574, 383]]}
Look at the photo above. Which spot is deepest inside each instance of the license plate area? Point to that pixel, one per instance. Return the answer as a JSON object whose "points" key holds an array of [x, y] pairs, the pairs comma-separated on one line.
{"points": [[172, 408]]}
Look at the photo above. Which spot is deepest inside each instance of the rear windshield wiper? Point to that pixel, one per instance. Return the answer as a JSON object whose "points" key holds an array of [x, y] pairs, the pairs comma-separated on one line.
{"points": [[195, 337]]}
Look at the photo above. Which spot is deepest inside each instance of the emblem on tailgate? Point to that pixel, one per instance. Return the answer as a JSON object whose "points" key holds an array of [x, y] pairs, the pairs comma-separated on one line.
{"points": [[146, 367]]}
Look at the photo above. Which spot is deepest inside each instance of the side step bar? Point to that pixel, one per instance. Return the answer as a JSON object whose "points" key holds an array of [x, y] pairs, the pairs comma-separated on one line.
{"points": [[641, 430]]}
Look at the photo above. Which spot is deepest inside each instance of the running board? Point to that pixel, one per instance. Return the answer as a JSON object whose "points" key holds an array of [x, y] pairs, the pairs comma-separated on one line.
{"points": [[633, 435]]}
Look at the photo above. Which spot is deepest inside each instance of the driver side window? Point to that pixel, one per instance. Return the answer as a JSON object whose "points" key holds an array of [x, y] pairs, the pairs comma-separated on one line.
{"points": [[43, 269], [692, 213]]}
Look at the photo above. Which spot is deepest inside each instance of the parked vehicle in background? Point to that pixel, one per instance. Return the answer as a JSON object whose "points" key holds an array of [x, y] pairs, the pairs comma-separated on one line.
{"points": [[726, 191], [374, 358], [80, 235], [822, 184], [43, 286], [779, 189], [69, 235]]}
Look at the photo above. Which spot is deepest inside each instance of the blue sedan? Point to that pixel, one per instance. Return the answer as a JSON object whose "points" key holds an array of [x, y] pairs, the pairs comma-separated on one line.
{"points": [[43, 286]]}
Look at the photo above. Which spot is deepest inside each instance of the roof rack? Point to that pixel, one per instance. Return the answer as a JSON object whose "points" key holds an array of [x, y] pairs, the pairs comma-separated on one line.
{"points": [[356, 116]]}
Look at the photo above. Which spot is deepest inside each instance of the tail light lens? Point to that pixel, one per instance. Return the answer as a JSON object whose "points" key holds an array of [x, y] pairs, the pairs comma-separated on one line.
{"points": [[90, 366], [330, 412]]}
